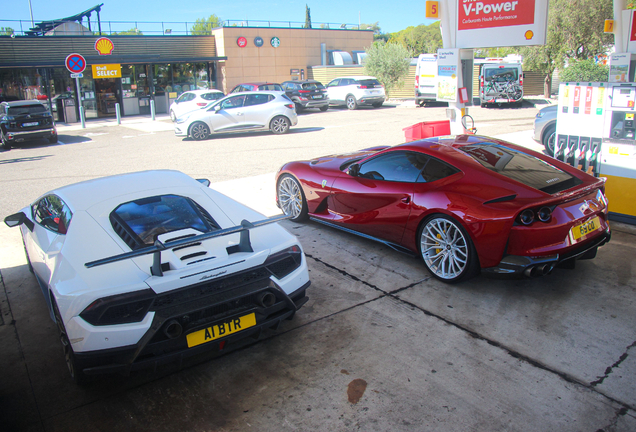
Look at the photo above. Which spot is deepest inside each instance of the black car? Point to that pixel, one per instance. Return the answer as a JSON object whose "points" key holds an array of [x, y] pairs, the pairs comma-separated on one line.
{"points": [[307, 94], [24, 121]]}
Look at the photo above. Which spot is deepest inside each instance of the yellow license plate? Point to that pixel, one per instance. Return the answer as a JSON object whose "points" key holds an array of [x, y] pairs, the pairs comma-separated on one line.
{"points": [[585, 228], [221, 330]]}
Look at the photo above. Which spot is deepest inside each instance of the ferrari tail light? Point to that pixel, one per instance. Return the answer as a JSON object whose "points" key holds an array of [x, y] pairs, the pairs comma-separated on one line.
{"points": [[119, 309]]}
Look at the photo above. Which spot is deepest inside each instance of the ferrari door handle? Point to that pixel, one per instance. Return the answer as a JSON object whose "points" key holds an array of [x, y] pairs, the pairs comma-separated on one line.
{"points": [[406, 200]]}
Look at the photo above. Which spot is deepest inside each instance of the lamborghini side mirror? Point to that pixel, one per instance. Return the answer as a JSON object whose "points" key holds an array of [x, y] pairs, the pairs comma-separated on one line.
{"points": [[18, 219]]}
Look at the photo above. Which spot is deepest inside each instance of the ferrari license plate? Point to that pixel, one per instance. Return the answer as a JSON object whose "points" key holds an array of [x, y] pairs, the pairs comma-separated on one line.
{"points": [[585, 228], [30, 124], [220, 330]]}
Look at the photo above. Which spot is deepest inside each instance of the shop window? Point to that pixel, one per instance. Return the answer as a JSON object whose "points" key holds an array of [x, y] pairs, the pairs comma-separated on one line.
{"points": [[162, 79], [142, 81], [183, 77]]}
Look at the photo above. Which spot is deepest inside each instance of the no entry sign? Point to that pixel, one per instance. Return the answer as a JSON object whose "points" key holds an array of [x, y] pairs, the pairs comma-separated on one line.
{"points": [[75, 63]]}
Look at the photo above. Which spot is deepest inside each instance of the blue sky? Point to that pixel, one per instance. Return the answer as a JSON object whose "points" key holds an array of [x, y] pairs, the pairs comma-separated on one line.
{"points": [[392, 15]]}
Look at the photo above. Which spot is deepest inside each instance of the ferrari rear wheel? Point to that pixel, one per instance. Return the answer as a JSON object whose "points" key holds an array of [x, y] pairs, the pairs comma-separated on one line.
{"points": [[291, 198], [71, 362], [447, 249]]}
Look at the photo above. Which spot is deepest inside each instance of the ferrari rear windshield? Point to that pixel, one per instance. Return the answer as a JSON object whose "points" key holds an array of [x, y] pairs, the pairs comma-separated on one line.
{"points": [[139, 222], [521, 167]]}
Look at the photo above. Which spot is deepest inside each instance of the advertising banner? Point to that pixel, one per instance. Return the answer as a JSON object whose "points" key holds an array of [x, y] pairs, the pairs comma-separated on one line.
{"points": [[106, 71], [619, 67], [486, 23], [447, 68]]}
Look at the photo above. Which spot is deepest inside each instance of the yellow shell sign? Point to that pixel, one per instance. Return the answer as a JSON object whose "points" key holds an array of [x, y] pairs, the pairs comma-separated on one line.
{"points": [[106, 71], [104, 46]]}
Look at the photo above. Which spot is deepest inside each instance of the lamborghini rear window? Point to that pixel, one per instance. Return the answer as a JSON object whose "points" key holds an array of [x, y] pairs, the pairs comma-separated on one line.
{"points": [[139, 222], [521, 167]]}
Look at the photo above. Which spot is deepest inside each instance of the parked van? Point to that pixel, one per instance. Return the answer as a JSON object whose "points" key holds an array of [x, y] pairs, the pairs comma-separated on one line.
{"points": [[426, 79], [501, 83]]}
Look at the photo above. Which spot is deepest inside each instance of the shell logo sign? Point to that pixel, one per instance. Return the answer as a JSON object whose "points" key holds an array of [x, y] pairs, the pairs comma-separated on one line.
{"points": [[104, 46]]}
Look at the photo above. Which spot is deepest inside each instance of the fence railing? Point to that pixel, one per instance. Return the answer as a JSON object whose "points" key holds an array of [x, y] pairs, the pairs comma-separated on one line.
{"points": [[167, 28]]}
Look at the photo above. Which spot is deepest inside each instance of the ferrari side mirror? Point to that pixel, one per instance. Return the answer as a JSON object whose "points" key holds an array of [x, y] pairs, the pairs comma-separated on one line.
{"points": [[18, 219], [354, 170]]}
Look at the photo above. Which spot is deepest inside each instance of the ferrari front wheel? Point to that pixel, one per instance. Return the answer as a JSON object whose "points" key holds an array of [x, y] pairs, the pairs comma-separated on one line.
{"points": [[291, 198], [447, 249]]}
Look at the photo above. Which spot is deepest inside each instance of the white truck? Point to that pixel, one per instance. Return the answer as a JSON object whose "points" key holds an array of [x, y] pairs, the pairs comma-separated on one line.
{"points": [[425, 79]]}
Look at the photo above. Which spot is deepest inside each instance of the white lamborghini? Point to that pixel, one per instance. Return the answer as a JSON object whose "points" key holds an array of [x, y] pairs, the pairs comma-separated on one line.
{"points": [[149, 267]]}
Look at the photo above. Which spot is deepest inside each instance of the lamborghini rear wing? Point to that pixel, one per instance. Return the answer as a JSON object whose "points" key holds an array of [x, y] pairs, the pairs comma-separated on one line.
{"points": [[243, 246]]}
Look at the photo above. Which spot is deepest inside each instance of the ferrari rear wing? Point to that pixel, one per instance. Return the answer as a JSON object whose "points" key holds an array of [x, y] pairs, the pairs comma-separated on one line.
{"points": [[243, 246]]}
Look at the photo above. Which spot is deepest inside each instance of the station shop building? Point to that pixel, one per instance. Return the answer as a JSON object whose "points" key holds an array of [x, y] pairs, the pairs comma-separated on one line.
{"points": [[142, 68]]}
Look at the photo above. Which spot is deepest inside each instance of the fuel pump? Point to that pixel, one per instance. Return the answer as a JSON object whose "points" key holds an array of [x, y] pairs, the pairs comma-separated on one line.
{"points": [[596, 132]]}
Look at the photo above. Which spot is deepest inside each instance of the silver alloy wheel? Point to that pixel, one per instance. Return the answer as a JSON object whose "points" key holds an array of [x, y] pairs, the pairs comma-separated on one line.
{"points": [[199, 131], [280, 125], [289, 197], [351, 102], [444, 248], [551, 140]]}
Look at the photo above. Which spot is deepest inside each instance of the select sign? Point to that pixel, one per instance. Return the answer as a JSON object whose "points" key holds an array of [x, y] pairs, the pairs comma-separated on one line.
{"points": [[106, 71]]}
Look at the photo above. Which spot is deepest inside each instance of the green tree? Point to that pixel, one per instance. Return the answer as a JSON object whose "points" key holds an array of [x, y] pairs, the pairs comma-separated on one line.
{"points": [[204, 26], [389, 62], [131, 32], [420, 39], [307, 17], [585, 70], [375, 27], [6, 31], [575, 31]]}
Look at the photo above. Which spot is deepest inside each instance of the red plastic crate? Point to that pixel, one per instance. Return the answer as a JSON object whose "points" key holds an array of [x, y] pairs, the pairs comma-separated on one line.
{"points": [[426, 130]]}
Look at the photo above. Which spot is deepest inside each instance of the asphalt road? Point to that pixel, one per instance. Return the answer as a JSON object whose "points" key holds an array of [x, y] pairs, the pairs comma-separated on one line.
{"points": [[380, 346]]}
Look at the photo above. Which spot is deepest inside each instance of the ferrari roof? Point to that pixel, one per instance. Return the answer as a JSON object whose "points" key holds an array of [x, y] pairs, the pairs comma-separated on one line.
{"points": [[83, 195]]}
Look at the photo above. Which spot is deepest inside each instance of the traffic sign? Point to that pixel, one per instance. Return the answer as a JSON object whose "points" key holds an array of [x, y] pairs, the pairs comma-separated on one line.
{"points": [[77, 75], [75, 63]]}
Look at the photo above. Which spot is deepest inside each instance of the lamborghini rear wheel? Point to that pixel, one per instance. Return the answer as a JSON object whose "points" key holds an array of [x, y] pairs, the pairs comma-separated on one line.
{"points": [[74, 368]]}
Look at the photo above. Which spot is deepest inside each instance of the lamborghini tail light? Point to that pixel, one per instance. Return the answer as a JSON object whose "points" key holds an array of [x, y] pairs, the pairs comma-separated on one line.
{"points": [[119, 309]]}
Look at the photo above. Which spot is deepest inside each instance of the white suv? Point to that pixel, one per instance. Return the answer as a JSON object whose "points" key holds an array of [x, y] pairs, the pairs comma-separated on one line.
{"points": [[355, 91]]}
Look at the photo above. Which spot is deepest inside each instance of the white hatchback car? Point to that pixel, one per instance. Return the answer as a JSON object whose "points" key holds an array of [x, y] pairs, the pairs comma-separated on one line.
{"points": [[240, 112], [355, 91], [193, 100], [145, 268]]}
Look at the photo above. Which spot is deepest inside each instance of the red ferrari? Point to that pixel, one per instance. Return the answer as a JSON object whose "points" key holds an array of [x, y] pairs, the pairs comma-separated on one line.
{"points": [[464, 204]]}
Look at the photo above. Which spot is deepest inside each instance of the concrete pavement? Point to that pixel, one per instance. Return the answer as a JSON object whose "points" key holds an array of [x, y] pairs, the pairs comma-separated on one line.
{"points": [[380, 346]]}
